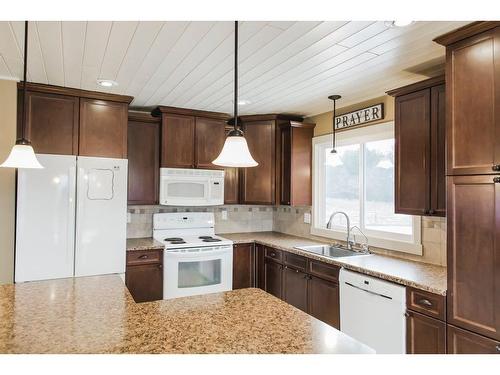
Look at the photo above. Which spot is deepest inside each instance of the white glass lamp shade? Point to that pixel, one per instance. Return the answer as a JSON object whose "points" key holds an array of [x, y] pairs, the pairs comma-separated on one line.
{"points": [[235, 153], [21, 156]]}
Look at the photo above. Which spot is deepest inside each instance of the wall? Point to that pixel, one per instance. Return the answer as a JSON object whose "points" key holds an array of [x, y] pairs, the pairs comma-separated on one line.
{"points": [[290, 220], [239, 218], [7, 180], [323, 121]]}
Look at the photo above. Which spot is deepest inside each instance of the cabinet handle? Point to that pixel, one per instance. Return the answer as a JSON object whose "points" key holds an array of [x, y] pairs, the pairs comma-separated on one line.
{"points": [[496, 180], [425, 302], [497, 348], [145, 256], [160, 266], [425, 212], [407, 314], [496, 167], [432, 212]]}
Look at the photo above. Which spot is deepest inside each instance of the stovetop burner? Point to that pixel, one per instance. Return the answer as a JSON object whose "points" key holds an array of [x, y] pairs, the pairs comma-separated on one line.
{"points": [[211, 240], [170, 239], [177, 242], [205, 237]]}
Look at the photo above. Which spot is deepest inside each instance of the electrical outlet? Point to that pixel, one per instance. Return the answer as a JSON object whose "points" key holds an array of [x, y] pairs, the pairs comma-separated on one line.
{"points": [[307, 218], [224, 215]]}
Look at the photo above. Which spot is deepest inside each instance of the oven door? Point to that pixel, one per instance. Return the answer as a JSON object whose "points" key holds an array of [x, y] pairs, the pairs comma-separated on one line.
{"points": [[184, 191], [190, 272]]}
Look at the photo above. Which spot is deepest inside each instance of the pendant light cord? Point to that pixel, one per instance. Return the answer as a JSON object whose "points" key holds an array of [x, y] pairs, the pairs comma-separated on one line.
{"points": [[23, 116], [334, 112], [235, 75]]}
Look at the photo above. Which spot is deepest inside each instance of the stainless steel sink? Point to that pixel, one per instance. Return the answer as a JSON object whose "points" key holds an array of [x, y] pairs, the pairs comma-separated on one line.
{"points": [[330, 251]]}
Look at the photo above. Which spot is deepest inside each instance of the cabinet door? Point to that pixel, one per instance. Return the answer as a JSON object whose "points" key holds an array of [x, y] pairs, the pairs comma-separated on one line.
{"points": [[51, 123], [210, 137], [412, 148], [260, 268], [424, 335], [259, 182], [231, 186], [465, 342], [295, 288], [177, 146], [473, 92], [145, 282], [103, 128], [324, 301], [438, 151], [273, 278], [243, 266], [473, 300], [143, 162], [285, 165]]}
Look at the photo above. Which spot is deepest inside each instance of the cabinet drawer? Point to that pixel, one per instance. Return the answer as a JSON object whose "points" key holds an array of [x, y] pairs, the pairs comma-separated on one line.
{"points": [[427, 303], [295, 261], [324, 270], [275, 254], [144, 257]]}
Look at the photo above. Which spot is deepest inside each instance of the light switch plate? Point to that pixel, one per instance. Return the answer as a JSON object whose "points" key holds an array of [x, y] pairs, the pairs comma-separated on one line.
{"points": [[307, 218], [224, 215]]}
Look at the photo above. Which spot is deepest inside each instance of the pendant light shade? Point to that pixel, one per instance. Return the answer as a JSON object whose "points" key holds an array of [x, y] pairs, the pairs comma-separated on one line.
{"points": [[22, 154], [235, 152]]}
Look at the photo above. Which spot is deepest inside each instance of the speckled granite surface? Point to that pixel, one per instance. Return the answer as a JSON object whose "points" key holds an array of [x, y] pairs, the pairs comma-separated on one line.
{"points": [[419, 275], [143, 244], [98, 315]]}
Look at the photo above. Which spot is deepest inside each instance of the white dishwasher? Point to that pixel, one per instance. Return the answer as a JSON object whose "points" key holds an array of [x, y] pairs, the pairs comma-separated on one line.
{"points": [[373, 311]]}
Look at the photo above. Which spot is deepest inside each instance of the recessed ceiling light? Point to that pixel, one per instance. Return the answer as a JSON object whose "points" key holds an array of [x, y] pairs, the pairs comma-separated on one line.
{"points": [[107, 83], [398, 23], [243, 102]]}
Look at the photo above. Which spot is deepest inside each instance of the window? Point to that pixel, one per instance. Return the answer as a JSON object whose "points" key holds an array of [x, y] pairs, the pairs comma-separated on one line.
{"points": [[359, 180]]}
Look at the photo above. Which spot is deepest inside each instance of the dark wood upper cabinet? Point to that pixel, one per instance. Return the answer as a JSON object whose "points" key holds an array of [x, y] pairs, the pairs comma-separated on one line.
{"points": [[103, 128], [210, 136], [295, 288], [473, 94], [324, 300], [420, 186], [243, 266], [177, 146], [51, 122], [461, 341], [424, 335], [258, 183], [294, 163], [473, 298], [143, 158], [190, 138]]}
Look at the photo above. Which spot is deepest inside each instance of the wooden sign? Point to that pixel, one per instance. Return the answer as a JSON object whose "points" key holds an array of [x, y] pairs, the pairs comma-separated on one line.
{"points": [[360, 117]]}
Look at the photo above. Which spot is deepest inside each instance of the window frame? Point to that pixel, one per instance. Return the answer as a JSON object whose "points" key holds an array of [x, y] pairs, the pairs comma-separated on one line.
{"points": [[385, 240]]}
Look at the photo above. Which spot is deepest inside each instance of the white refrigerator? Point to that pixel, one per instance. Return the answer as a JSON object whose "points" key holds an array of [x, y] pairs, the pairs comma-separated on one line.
{"points": [[71, 218]]}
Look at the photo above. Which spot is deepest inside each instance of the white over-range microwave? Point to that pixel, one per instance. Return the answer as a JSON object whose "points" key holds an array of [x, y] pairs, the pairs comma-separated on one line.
{"points": [[191, 187]]}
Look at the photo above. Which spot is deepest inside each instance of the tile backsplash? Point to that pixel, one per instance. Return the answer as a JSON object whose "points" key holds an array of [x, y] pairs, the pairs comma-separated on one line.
{"points": [[284, 219]]}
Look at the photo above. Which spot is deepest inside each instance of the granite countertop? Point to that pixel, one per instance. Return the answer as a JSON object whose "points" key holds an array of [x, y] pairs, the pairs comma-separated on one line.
{"points": [[98, 315], [422, 276], [145, 243]]}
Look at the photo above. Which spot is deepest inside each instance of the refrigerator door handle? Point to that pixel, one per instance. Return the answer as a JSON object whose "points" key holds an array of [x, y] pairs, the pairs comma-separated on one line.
{"points": [[72, 212]]}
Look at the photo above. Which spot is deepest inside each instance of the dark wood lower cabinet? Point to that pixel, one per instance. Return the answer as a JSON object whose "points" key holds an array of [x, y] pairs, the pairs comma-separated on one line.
{"points": [[144, 275], [259, 267], [145, 282], [243, 266], [295, 288], [324, 301], [424, 335], [461, 341], [273, 281]]}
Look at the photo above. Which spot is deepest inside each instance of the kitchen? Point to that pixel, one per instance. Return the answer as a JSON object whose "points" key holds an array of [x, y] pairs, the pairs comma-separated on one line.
{"points": [[251, 187]]}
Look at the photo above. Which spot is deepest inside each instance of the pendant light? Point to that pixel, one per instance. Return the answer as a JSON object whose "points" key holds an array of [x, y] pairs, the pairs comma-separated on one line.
{"points": [[22, 154], [235, 152], [334, 98]]}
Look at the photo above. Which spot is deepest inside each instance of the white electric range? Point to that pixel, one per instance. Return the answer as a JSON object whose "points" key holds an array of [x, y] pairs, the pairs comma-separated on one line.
{"points": [[195, 260]]}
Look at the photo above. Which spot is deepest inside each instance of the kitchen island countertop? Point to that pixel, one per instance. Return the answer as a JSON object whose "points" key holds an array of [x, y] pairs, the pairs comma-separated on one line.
{"points": [[428, 277], [97, 315]]}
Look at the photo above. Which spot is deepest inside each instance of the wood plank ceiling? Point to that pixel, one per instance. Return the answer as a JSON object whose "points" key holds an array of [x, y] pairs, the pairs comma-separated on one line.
{"points": [[285, 67]]}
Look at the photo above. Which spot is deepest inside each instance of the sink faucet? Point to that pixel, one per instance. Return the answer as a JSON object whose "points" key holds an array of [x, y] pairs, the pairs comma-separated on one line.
{"points": [[329, 226]]}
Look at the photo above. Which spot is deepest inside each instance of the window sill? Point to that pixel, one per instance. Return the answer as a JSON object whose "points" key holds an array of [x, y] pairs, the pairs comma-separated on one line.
{"points": [[383, 243]]}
